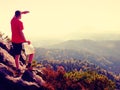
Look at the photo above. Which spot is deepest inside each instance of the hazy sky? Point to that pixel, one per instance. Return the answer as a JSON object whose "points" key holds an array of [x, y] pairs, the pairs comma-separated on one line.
{"points": [[64, 19]]}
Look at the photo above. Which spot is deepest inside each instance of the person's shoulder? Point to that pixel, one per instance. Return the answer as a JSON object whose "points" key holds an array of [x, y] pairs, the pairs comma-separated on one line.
{"points": [[13, 20]]}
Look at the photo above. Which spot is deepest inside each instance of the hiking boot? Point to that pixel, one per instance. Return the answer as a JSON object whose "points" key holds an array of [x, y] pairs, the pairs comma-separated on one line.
{"points": [[29, 66], [18, 73]]}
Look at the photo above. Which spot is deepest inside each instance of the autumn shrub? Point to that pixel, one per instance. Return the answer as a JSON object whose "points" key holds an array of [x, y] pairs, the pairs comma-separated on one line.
{"points": [[91, 80], [54, 78], [75, 80]]}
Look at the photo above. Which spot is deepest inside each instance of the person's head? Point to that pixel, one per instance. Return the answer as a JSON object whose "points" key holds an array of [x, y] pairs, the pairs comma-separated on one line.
{"points": [[18, 14]]}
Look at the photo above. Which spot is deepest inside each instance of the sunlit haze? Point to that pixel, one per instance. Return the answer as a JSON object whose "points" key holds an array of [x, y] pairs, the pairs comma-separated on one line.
{"points": [[64, 19]]}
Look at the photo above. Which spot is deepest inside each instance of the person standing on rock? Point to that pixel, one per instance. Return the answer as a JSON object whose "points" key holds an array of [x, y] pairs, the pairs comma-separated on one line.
{"points": [[18, 38]]}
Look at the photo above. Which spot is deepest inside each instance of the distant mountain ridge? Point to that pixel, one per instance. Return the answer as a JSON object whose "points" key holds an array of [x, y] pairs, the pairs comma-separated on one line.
{"points": [[106, 47]]}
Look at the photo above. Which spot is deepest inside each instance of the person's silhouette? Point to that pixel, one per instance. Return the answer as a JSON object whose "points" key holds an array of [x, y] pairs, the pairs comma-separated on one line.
{"points": [[18, 37]]}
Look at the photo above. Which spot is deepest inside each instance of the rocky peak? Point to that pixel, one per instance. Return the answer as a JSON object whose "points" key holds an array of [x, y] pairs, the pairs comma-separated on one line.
{"points": [[29, 80]]}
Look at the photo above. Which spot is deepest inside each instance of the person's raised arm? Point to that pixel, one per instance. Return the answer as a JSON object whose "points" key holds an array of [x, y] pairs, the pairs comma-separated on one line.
{"points": [[25, 12]]}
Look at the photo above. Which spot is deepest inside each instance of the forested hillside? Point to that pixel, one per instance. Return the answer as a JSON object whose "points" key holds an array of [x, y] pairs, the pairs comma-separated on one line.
{"points": [[109, 63]]}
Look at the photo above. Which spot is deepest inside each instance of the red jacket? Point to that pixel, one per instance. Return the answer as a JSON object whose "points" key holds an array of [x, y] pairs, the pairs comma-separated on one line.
{"points": [[16, 29]]}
